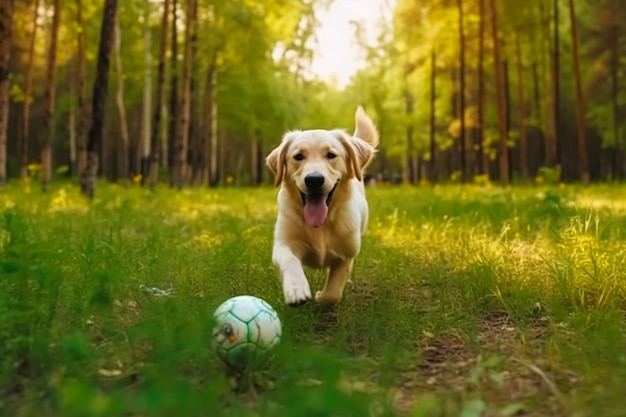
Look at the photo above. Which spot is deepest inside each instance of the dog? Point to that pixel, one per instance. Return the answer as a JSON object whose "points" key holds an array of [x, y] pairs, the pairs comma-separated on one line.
{"points": [[322, 207]]}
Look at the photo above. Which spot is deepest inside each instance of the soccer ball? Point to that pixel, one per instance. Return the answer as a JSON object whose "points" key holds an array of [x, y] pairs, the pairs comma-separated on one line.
{"points": [[246, 328]]}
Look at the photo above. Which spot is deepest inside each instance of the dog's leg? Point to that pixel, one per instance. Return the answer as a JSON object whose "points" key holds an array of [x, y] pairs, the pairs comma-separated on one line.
{"points": [[295, 285], [338, 275]]}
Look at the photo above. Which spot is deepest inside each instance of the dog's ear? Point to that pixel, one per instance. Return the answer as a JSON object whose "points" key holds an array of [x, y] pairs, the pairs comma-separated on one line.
{"points": [[277, 159], [359, 152]]}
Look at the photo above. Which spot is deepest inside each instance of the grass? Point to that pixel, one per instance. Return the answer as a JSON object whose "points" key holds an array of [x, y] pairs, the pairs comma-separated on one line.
{"points": [[465, 301]]}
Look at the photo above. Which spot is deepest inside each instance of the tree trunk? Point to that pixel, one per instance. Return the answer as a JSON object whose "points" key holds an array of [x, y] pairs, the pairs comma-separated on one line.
{"points": [[619, 148], [583, 155], [182, 133], [507, 107], [154, 137], [6, 23], [213, 138], [462, 150], [147, 97], [100, 89], [81, 111], [556, 72], [255, 160], [122, 153], [72, 132], [550, 136], [23, 141], [49, 96], [408, 159], [501, 98], [433, 139], [173, 112], [194, 152], [483, 156], [521, 103]]}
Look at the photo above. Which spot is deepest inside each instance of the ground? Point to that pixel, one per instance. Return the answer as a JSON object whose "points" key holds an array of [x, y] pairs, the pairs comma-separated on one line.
{"points": [[465, 301]]}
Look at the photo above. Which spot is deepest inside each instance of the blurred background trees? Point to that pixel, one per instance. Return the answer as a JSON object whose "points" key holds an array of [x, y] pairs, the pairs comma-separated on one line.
{"points": [[201, 90]]}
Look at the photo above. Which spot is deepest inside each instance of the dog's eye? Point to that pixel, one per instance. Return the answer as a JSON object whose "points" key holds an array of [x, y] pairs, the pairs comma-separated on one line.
{"points": [[330, 155], [298, 157]]}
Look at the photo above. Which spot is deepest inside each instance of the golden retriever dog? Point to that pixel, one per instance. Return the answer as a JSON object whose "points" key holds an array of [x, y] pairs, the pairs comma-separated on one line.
{"points": [[322, 209]]}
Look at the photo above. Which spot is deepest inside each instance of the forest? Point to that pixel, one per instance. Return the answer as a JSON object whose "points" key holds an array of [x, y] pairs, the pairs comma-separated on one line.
{"points": [[491, 279], [196, 92]]}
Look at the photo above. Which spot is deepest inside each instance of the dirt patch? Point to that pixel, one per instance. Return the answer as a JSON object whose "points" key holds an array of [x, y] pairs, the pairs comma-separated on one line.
{"points": [[507, 365], [443, 364]]}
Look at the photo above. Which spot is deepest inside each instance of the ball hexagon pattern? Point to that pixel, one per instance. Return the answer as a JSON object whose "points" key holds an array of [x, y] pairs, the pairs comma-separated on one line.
{"points": [[246, 328]]}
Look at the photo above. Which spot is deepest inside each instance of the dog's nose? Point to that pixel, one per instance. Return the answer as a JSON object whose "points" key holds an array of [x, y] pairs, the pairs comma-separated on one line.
{"points": [[314, 180]]}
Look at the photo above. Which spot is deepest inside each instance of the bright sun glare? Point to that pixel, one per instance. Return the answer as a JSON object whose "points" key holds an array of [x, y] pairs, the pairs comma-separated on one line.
{"points": [[337, 54]]}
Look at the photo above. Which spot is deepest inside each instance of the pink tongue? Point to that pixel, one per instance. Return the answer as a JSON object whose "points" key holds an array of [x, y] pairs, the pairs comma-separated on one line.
{"points": [[315, 211]]}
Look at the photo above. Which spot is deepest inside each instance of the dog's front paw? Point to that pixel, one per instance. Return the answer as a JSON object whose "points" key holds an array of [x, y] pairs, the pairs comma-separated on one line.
{"points": [[327, 299], [297, 292]]}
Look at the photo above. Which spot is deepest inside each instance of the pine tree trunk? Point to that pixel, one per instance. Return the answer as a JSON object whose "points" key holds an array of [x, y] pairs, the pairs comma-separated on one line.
{"points": [[619, 153], [583, 155], [483, 156], [81, 111], [213, 139], [182, 133], [503, 155], [173, 111], [556, 73], [100, 89], [462, 148], [408, 159], [23, 140], [49, 100], [122, 153], [550, 136], [147, 97], [507, 107], [521, 103], [433, 138], [72, 132], [194, 151], [156, 123], [6, 27], [254, 161]]}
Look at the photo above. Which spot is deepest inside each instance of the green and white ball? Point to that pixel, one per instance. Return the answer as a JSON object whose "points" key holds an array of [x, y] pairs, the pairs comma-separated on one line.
{"points": [[247, 327]]}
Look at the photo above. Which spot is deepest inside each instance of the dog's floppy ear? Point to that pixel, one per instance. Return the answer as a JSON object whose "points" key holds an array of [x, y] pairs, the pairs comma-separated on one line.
{"points": [[359, 152], [277, 159]]}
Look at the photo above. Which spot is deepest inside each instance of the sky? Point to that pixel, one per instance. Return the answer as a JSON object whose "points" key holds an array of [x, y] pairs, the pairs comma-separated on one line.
{"points": [[337, 53]]}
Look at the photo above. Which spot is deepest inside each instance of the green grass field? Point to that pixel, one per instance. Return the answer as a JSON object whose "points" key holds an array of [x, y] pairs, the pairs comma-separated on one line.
{"points": [[465, 301]]}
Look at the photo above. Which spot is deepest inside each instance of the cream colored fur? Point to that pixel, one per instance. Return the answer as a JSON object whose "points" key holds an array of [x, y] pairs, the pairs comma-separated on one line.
{"points": [[334, 245]]}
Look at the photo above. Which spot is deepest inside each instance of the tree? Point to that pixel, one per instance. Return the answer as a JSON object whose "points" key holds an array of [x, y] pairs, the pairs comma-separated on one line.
{"points": [[49, 100], [158, 106], [81, 127], [618, 168], [482, 157], [503, 155], [173, 99], [583, 156], [6, 23], [556, 85], [122, 151], [100, 88], [23, 141], [462, 92], [147, 95], [521, 103], [433, 127]]}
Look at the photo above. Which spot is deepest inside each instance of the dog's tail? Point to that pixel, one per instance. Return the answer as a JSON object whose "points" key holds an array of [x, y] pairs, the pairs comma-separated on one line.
{"points": [[365, 128]]}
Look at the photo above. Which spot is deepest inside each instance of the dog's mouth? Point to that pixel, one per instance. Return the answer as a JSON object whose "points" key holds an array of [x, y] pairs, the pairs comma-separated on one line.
{"points": [[316, 206]]}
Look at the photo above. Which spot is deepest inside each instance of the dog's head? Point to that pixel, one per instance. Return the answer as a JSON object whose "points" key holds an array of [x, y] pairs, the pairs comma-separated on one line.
{"points": [[316, 162]]}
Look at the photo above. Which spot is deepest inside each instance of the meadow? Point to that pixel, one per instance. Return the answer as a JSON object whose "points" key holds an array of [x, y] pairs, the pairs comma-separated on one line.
{"points": [[465, 301]]}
